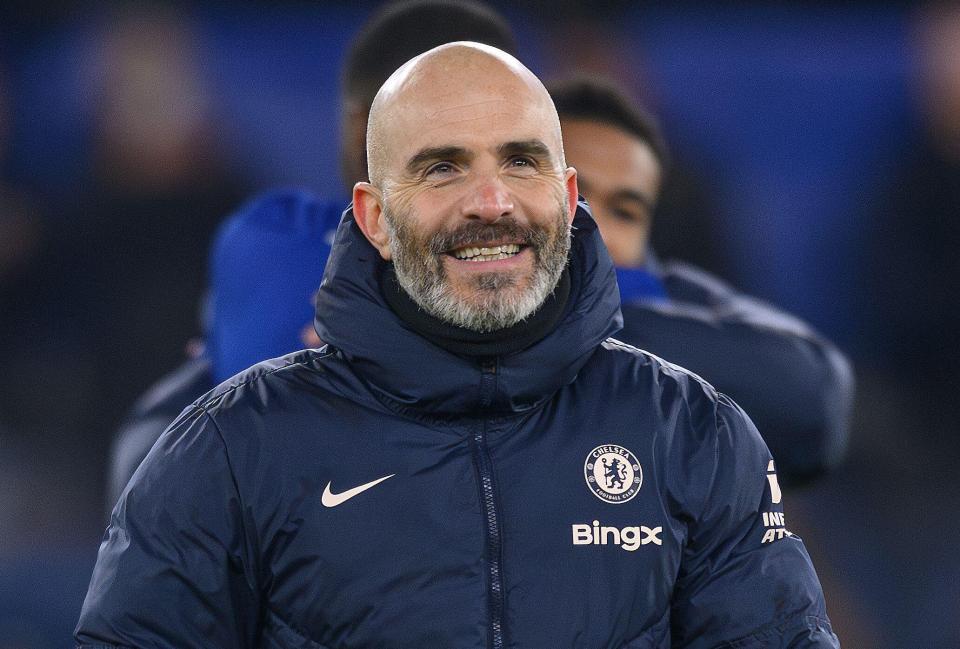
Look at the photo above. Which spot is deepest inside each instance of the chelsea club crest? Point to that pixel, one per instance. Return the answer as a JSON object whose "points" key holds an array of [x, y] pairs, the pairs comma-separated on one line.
{"points": [[613, 473]]}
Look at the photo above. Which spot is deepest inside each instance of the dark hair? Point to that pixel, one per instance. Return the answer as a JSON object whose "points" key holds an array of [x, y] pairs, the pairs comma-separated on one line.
{"points": [[402, 30], [606, 103]]}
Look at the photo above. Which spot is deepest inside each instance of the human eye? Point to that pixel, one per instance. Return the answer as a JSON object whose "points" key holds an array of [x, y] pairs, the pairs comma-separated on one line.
{"points": [[522, 164], [439, 171], [628, 214]]}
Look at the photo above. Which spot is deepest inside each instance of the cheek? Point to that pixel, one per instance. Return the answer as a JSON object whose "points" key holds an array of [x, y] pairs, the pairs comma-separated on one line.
{"points": [[538, 188], [623, 240], [539, 200], [643, 234], [426, 211], [400, 199]]}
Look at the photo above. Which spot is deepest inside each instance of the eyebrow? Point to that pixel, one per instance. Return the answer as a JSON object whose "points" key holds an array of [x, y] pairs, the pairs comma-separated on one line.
{"points": [[533, 148], [435, 154], [633, 195]]}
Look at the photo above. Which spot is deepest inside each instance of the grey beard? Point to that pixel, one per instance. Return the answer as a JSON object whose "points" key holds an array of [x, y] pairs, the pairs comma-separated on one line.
{"points": [[489, 307]]}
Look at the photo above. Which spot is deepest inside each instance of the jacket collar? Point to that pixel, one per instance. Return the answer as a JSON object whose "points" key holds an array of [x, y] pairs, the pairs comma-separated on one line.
{"points": [[405, 368]]}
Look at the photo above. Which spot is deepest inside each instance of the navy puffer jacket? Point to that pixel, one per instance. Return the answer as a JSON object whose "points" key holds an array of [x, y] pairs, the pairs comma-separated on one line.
{"points": [[384, 493]]}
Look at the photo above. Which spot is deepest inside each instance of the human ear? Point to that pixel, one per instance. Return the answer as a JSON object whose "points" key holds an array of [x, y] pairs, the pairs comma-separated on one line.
{"points": [[570, 187], [368, 213]]}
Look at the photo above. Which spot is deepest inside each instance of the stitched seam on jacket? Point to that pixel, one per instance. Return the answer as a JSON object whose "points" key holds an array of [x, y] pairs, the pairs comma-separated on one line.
{"points": [[256, 377], [236, 488]]}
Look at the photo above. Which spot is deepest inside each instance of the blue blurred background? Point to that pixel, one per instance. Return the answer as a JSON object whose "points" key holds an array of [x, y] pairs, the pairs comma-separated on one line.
{"points": [[818, 167]]}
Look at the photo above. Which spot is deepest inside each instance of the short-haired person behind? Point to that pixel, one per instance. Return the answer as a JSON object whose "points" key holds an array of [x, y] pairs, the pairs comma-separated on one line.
{"points": [[471, 461], [283, 222], [796, 386]]}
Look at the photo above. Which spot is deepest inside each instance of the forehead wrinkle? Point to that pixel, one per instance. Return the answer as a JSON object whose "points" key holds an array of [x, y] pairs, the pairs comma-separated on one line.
{"points": [[477, 106], [463, 120]]}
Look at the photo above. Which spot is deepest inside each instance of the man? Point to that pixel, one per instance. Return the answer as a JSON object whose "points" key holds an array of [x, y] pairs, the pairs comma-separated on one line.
{"points": [[257, 311], [795, 384], [432, 477], [805, 423]]}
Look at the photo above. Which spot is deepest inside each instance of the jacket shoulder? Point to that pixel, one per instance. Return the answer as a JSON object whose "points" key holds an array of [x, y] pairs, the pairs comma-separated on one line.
{"points": [[646, 365], [688, 282], [264, 379], [692, 414], [691, 285], [150, 416]]}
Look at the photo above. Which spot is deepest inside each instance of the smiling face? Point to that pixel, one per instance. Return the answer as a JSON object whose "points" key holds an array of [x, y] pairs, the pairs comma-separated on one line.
{"points": [[470, 198]]}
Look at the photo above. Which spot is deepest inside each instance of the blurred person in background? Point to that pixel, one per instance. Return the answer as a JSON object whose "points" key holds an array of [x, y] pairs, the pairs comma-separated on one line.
{"points": [[132, 256], [253, 315], [915, 256], [115, 276], [31, 342], [266, 263], [41, 572], [21, 239], [20, 225], [796, 386], [911, 577]]}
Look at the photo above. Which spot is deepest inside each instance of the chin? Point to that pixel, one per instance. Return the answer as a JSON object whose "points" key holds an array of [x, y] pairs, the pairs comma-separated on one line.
{"points": [[502, 285]]}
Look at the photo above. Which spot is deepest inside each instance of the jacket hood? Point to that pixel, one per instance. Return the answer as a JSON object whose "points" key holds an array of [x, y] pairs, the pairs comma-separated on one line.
{"points": [[411, 371]]}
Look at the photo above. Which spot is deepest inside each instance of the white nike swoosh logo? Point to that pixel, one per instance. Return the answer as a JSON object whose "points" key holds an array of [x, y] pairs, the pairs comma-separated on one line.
{"points": [[331, 499]]}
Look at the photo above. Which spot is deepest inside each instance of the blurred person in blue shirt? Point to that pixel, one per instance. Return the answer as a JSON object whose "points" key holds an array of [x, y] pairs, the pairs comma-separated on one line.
{"points": [[795, 384]]}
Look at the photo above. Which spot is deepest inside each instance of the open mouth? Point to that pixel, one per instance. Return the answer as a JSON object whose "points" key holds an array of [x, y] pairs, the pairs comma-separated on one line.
{"points": [[486, 253]]}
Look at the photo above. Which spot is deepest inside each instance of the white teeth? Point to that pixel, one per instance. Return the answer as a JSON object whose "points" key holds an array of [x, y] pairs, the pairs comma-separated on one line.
{"points": [[487, 254]]}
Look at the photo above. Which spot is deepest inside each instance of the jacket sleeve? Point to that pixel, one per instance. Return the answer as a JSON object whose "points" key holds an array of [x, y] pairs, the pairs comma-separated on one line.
{"points": [[796, 385], [150, 417], [131, 445], [174, 568], [744, 580]]}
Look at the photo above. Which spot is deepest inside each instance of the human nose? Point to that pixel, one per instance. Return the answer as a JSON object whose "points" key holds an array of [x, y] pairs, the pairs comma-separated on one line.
{"points": [[489, 201]]}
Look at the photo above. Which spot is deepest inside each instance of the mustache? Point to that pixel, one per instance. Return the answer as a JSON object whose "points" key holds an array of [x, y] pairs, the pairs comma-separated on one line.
{"points": [[479, 234]]}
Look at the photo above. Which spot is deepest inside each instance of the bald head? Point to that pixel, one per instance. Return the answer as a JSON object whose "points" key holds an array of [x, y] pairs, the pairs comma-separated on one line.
{"points": [[456, 89]]}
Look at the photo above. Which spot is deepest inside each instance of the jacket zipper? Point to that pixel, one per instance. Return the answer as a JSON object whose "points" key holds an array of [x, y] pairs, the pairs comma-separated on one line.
{"points": [[495, 605]]}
